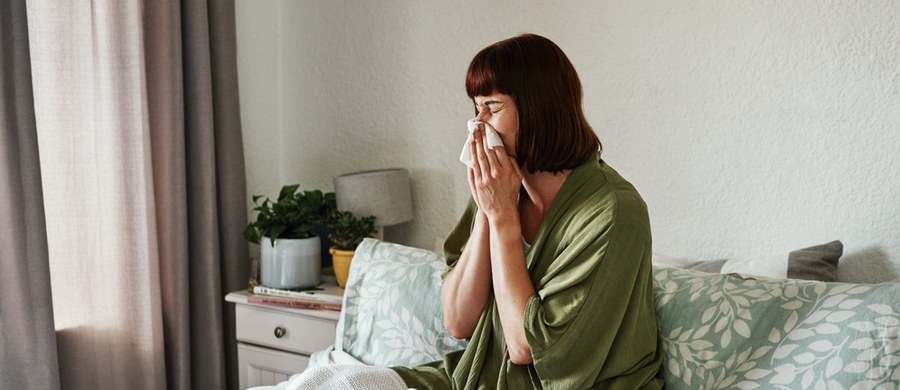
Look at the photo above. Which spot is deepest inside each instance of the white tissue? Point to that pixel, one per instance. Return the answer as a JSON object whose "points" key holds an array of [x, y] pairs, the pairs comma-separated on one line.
{"points": [[493, 140]]}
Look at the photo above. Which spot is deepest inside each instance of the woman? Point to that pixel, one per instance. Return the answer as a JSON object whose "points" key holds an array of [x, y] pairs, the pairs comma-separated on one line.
{"points": [[549, 273], [549, 266]]}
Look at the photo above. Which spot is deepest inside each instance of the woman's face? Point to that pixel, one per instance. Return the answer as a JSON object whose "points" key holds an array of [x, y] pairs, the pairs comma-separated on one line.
{"points": [[499, 111]]}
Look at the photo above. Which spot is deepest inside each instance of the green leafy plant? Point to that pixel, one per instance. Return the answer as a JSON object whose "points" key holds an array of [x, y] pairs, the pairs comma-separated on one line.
{"points": [[348, 230], [293, 215]]}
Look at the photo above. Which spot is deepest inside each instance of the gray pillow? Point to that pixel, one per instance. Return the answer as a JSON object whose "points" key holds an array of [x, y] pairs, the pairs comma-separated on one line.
{"points": [[711, 266], [818, 262]]}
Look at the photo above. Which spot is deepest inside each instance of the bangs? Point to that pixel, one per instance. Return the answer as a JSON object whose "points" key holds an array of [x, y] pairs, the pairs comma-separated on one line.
{"points": [[481, 79]]}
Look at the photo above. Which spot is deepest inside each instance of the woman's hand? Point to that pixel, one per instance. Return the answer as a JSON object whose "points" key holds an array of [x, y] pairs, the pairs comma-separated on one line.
{"points": [[494, 179]]}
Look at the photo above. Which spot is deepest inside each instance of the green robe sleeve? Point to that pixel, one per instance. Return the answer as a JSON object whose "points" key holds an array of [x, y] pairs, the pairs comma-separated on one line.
{"points": [[456, 240]]}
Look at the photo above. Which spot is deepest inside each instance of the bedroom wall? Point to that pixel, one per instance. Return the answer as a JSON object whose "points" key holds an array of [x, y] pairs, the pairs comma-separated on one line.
{"points": [[750, 128]]}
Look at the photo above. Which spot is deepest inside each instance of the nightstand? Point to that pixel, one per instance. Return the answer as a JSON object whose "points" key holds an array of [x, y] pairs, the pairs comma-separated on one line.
{"points": [[275, 342]]}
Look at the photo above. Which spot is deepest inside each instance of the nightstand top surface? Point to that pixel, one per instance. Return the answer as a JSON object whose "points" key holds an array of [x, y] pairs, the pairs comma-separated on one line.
{"points": [[329, 288]]}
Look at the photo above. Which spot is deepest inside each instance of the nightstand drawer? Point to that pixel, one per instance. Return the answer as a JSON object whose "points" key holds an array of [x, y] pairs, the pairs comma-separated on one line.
{"points": [[298, 333]]}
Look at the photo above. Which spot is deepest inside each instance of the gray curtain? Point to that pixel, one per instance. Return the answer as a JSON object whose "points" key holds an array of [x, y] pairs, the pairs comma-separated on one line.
{"points": [[215, 198], [198, 170], [153, 86], [27, 341], [199, 175]]}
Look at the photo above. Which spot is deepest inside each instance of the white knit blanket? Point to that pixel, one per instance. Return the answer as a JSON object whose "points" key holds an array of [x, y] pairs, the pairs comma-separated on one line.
{"points": [[335, 370]]}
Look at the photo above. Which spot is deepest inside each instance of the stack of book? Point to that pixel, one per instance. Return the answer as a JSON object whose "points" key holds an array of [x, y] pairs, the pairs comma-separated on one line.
{"points": [[311, 299]]}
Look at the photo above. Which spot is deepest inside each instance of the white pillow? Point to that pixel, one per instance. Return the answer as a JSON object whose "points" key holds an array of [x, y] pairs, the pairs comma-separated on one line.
{"points": [[708, 266], [772, 266], [660, 260]]}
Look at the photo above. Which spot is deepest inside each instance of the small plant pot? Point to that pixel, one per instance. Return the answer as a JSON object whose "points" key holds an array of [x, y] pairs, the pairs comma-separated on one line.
{"points": [[340, 260], [290, 263]]}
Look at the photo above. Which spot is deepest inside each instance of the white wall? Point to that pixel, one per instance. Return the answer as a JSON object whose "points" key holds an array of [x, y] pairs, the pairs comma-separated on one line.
{"points": [[750, 128]]}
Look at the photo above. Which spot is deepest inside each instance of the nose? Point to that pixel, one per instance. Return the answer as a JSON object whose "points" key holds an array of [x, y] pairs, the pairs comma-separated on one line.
{"points": [[482, 115]]}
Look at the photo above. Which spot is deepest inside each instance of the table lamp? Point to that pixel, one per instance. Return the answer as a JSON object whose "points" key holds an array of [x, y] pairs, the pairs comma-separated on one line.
{"points": [[384, 193]]}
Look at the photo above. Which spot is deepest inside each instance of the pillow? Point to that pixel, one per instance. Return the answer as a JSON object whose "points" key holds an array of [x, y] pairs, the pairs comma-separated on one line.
{"points": [[392, 313], [772, 266], [711, 266], [726, 332], [818, 262]]}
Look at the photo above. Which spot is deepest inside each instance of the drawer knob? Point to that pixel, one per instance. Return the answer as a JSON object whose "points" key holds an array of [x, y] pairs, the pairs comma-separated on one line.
{"points": [[280, 332]]}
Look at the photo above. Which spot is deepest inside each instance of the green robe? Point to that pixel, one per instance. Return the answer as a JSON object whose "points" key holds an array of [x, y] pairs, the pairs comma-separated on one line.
{"points": [[592, 322]]}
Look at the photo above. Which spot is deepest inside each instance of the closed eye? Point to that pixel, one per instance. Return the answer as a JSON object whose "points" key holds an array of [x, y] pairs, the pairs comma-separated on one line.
{"points": [[494, 106]]}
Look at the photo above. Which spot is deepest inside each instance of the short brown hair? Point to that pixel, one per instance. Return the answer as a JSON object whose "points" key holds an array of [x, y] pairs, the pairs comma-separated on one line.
{"points": [[554, 135]]}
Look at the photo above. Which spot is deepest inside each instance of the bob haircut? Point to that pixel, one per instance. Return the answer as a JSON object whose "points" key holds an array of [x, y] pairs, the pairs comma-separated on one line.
{"points": [[553, 135]]}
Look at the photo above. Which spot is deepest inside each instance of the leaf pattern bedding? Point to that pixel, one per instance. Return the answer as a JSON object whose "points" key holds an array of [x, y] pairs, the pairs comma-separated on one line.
{"points": [[718, 331], [392, 315], [723, 331]]}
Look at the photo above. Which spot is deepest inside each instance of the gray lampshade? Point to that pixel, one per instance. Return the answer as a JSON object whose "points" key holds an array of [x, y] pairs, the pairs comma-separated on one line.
{"points": [[383, 193]]}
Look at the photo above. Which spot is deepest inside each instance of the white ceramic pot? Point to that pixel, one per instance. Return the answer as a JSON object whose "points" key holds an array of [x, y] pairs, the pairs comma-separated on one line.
{"points": [[291, 263]]}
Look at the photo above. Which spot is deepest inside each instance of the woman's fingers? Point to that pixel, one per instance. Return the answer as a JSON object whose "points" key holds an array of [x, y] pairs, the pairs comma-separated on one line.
{"points": [[490, 159], [492, 164], [482, 163], [490, 156]]}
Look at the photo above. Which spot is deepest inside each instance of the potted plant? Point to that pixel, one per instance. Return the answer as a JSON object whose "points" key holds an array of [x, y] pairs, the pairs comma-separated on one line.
{"points": [[290, 254], [347, 231]]}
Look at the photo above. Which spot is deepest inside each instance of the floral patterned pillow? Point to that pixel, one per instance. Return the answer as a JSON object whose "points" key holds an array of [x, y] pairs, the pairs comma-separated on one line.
{"points": [[725, 332], [392, 314]]}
